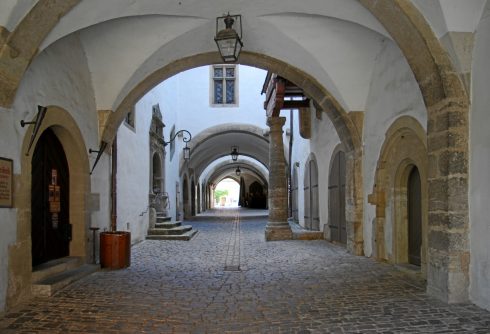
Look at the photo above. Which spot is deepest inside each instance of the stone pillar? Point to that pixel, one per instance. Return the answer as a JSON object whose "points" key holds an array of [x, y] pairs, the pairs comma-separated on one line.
{"points": [[448, 245], [277, 227]]}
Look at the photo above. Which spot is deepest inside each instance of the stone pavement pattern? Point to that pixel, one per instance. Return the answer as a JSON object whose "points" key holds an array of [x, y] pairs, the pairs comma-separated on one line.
{"points": [[283, 287]]}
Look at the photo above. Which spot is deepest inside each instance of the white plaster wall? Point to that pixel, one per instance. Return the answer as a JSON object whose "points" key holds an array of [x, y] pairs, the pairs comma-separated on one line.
{"points": [[393, 93], [59, 76], [133, 172], [451, 15], [479, 192], [323, 144], [13, 11]]}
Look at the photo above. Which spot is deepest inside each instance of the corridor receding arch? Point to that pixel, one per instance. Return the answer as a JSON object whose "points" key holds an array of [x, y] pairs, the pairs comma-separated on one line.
{"points": [[215, 142], [347, 125]]}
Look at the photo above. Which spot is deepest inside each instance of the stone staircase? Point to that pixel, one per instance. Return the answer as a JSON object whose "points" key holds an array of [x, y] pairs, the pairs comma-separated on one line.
{"points": [[52, 276], [165, 229]]}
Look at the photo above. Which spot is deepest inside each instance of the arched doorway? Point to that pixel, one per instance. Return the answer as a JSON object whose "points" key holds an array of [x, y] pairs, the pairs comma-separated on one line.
{"points": [[414, 214], [257, 197], [336, 199], [157, 174], [50, 223], [312, 216]]}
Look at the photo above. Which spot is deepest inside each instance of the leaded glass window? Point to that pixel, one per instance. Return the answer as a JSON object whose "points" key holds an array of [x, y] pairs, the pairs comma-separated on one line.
{"points": [[224, 85]]}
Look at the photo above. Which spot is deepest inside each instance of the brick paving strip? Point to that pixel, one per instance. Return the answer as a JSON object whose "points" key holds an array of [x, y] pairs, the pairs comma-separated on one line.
{"points": [[283, 287], [232, 262]]}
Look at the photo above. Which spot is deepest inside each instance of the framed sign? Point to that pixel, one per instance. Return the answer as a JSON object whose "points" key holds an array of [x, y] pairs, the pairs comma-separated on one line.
{"points": [[6, 183]]}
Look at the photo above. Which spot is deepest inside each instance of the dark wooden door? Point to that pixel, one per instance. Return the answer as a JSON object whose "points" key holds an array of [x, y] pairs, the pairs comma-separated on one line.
{"points": [[50, 226], [336, 199], [414, 217]]}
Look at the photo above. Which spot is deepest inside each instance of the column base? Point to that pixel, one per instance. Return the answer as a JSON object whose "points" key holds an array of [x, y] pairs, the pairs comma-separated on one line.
{"points": [[275, 231]]}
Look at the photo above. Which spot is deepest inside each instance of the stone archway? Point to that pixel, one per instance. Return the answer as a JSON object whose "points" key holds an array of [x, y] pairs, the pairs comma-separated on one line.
{"points": [[66, 129], [405, 148], [347, 125], [443, 92], [448, 112]]}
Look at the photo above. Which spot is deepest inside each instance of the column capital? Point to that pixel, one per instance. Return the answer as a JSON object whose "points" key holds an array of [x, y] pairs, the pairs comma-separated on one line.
{"points": [[276, 122]]}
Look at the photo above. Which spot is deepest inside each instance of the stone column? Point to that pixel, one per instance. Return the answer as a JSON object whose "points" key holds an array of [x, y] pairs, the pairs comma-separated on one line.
{"points": [[277, 227], [448, 244]]}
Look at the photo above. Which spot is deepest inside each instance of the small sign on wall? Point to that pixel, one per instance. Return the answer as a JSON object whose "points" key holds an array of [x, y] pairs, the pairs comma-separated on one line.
{"points": [[6, 183]]}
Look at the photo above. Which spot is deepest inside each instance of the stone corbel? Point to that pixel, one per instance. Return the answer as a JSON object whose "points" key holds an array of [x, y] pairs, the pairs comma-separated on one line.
{"points": [[378, 198]]}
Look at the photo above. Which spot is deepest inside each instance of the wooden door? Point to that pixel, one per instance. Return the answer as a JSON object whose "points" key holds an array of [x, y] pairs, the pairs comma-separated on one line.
{"points": [[414, 217], [315, 211], [336, 199], [307, 197], [294, 195], [312, 216], [50, 226]]}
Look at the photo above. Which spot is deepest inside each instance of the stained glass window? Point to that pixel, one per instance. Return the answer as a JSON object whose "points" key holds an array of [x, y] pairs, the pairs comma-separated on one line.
{"points": [[224, 81]]}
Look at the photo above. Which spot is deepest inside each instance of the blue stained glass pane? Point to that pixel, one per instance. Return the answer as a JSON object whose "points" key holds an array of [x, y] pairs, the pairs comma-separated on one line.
{"points": [[230, 91], [218, 72], [230, 72], [218, 92]]}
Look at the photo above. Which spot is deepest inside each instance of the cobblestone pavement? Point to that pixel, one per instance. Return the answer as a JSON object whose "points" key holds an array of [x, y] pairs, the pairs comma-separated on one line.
{"points": [[282, 287]]}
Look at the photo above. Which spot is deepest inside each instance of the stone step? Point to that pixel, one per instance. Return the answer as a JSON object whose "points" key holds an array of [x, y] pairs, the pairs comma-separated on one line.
{"points": [[48, 286], [163, 219], [183, 237], [171, 231], [54, 267], [300, 233], [168, 225]]}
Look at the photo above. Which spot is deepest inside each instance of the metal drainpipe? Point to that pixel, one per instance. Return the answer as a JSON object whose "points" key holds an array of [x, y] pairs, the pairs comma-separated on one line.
{"points": [[114, 186]]}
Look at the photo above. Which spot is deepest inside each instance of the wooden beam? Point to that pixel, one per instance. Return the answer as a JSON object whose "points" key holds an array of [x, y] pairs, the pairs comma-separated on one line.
{"points": [[275, 97], [296, 104]]}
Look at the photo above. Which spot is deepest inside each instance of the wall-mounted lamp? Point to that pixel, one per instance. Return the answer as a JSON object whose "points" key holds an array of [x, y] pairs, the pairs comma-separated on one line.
{"points": [[187, 138], [228, 40], [238, 171], [41, 112], [234, 153]]}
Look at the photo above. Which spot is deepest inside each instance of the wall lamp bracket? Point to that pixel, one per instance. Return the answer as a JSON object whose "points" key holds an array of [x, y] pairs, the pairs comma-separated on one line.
{"points": [[41, 112]]}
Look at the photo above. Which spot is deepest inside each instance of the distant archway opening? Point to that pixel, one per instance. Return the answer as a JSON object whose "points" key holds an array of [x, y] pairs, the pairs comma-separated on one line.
{"points": [[226, 194]]}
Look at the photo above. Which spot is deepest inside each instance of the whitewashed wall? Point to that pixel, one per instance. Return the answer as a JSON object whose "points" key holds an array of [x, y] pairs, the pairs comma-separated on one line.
{"points": [[133, 172], [479, 192], [324, 139], [393, 93]]}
